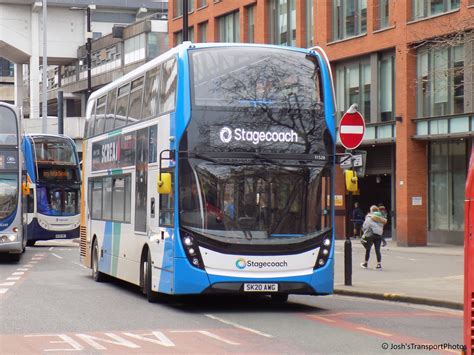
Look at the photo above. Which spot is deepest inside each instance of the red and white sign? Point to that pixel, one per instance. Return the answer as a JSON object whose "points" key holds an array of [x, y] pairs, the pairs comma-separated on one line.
{"points": [[351, 129]]}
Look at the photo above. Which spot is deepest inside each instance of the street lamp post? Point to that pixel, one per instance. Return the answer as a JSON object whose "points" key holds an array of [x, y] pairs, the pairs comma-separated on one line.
{"points": [[88, 49], [185, 20]]}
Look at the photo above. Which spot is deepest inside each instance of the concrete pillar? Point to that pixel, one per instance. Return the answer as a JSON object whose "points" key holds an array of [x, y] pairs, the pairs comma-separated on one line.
{"points": [[34, 67], [18, 85], [374, 88]]}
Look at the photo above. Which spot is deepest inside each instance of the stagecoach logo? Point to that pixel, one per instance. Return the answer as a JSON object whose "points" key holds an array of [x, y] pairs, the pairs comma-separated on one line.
{"points": [[241, 264], [226, 134], [11, 160], [255, 137]]}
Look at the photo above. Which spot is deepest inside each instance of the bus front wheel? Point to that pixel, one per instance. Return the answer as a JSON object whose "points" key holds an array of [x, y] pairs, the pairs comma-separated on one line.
{"points": [[151, 295], [96, 274]]}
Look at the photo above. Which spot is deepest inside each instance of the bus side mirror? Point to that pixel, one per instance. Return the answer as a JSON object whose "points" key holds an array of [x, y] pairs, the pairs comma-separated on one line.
{"points": [[25, 188], [351, 180], [164, 184]]}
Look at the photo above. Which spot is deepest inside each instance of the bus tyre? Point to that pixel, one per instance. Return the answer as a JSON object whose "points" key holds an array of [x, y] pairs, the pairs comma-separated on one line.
{"points": [[279, 297], [30, 243], [15, 257], [96, 274], [151, 295]]}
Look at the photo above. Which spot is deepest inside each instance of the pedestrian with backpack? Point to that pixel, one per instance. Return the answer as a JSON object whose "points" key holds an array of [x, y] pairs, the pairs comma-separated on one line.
{"points": [[373, 231]]}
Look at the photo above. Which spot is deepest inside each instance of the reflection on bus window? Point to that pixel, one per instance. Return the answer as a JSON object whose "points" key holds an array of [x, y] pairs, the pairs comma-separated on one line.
{"points": [[57, 201], [8, 193], [49, 149], [8, 136]]}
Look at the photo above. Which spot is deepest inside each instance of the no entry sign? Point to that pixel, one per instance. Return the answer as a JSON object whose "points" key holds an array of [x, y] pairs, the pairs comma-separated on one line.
{"points": [[351, 129]]}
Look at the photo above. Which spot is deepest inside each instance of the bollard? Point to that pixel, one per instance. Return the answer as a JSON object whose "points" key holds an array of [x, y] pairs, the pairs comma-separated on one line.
{"points": [[348, 262]]}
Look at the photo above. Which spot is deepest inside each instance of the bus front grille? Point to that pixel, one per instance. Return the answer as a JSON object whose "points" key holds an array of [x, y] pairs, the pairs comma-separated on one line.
{"points": [[83, 234]]}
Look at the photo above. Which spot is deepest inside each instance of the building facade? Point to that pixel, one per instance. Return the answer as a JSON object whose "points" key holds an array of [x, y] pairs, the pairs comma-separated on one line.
{"points": [[409, 67]]}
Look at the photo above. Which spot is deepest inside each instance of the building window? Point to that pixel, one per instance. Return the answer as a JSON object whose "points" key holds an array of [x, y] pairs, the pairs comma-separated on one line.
{"points": [[440, 81], [6, 68], [283, 22], [349, 18], [386, 74], [203, 32], [353, 85], [382, 14], [229, 27], [178, 8], [178, 36], [251, 24], [309, 23], [447, 180], [426, 8], [202, 3], [135, 49]]}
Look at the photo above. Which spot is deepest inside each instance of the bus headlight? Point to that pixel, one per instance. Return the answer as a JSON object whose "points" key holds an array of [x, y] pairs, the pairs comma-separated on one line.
{"points": [[324, 252], [6, 238], [191, 249]]}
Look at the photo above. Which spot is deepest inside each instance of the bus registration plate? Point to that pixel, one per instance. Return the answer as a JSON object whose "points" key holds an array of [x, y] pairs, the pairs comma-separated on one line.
{"points": [[60, 236], [260, 287]]}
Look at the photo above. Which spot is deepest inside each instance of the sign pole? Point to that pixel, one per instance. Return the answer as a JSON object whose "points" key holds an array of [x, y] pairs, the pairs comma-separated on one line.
{"points": [[348, 243]]}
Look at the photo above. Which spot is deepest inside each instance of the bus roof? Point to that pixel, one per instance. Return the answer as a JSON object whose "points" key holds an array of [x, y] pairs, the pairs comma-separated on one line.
{"points": [[179, 49]]}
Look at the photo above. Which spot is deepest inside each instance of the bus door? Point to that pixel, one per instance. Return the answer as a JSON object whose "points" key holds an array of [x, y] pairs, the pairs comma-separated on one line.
{"points": [[141, 181], [469, 260], [165, 204]]}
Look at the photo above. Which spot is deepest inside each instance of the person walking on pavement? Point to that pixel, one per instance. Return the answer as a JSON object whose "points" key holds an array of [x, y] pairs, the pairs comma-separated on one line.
{"points": [[373, 230], [357, 220]]}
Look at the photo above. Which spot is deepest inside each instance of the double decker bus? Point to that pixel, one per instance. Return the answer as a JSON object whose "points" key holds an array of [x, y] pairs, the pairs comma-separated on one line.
{"points": [[210, 169], [469, 258], [12, 238], [54, 182]]}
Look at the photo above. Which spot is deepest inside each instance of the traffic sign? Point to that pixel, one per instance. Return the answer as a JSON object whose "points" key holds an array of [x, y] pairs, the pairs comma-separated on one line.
{"points": [[351, 129]]}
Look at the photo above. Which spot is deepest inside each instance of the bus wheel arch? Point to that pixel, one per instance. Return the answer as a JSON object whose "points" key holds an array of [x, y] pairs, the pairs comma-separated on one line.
{"points": [[146, 276], [96, 274]]}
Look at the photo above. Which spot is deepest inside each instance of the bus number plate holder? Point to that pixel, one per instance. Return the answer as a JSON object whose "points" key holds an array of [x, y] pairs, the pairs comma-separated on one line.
{"points": [[259, 287], [61, 236]]}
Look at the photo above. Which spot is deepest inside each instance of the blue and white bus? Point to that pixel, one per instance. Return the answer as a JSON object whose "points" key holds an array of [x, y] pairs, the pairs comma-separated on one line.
{"points": [[54, 179], [12, 238], [210, 169]]}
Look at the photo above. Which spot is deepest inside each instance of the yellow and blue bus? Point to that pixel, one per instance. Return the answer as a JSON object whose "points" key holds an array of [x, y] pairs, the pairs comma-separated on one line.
{"points": [[12, 238], [54, 183], [210, 169]]}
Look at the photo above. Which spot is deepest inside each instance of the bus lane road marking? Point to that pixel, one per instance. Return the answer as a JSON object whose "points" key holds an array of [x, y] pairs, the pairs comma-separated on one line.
{"points": [[138, 341], [339, 322]]}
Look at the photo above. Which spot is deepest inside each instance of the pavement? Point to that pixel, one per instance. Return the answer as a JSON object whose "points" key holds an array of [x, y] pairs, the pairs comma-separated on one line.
{"points": [[431, 275]]}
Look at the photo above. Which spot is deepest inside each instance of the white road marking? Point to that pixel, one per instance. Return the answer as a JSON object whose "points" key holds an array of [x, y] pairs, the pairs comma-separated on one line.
{"points": [[33, 262], [239, 326], [13, 278], [52, 248], [374, 331], [3, 290], [206, 333], [18, 273], [7, 284], [28, 266], [78, 264], [56, 255], [22, 269]]}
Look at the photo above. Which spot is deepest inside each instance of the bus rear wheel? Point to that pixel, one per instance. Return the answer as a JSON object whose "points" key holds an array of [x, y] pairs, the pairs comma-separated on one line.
{"points": [[96, 274], [151, 295]]}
